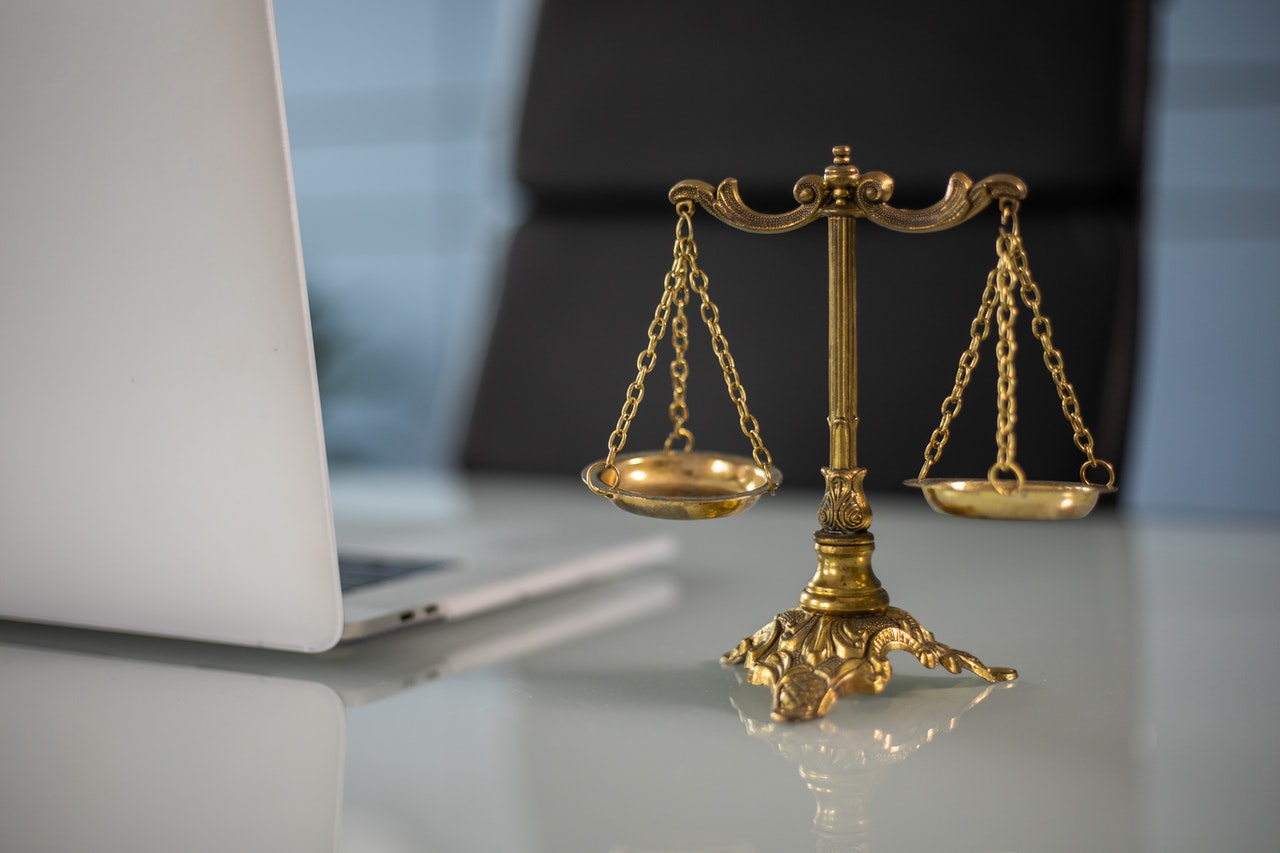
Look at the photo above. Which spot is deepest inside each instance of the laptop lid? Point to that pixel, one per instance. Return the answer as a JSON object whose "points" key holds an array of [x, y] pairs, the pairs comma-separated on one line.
{"points": [[162, 464]]}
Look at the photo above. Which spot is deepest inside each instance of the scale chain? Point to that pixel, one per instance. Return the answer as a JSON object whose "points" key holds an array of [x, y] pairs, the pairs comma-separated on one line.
{"points": [[978, 331], [678, 411], [1043, 330], [683, 276], [645, 363], [699, 282], [1006, 314], [999, 303]]}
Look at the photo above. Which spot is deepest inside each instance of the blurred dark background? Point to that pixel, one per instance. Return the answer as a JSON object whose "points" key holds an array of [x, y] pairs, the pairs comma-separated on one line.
{"points": [[465, 315], [622, 100]]}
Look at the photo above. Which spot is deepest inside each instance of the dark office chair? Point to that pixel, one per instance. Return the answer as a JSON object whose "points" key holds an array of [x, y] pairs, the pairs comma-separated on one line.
{"points": [[624, 100]]}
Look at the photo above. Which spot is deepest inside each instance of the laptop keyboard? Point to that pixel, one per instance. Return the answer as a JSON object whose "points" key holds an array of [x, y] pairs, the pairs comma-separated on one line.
{"points": [[355, 572]]}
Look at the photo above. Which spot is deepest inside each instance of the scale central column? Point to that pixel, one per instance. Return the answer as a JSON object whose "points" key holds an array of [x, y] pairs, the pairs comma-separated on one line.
{"points": [[838, 639], [844, 581], [842, 342]]}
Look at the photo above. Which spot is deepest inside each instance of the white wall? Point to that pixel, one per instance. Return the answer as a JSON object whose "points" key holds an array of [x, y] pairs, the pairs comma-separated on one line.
{"points": [[1208, 400], [400, 117]]}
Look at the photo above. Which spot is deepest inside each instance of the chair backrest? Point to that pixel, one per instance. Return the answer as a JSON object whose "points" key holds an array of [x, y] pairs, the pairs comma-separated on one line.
{"points": [[624, 100]]}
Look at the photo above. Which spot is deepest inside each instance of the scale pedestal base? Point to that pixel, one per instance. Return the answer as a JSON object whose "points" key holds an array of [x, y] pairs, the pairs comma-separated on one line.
{"points": [[811, 659], [839, 639]]}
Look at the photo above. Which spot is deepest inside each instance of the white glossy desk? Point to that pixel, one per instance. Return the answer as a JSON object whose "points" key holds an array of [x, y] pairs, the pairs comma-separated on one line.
{"points": [[1144, 719]]}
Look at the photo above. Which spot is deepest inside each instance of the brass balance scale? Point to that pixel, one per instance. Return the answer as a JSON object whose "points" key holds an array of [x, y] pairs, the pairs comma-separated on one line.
{"points": [[838, 638]]}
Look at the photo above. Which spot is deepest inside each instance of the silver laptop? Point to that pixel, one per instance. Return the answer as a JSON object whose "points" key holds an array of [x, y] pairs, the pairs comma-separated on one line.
{"points": [[162, 463]]}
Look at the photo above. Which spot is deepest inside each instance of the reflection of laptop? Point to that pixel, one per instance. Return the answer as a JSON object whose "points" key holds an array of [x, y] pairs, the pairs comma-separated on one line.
{"points": [[361, 673], [112, 754], [118, 742], [162, 466]]}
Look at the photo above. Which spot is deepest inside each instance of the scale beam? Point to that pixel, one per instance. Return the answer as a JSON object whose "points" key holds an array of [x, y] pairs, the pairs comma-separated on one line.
{"points": [[843, 190]]}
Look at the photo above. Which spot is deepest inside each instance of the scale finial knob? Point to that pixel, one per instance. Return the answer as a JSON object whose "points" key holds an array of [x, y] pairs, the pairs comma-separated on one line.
{"points": [[840, 176]]}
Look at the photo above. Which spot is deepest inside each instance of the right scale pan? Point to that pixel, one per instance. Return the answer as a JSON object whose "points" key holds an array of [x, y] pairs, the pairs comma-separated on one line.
{"points": [[1033, 500]]}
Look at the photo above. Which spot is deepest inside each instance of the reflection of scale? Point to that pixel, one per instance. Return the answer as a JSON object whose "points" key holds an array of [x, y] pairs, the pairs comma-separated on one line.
{"points": [[841, 762], [837, 640]]}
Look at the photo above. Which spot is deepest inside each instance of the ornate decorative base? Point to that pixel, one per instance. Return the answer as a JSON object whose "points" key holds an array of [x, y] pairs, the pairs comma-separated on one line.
{"points": [[812, 659]]}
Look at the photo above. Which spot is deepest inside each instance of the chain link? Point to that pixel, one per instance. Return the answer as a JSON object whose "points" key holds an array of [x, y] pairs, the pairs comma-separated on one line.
{"points": [[685, 275]]}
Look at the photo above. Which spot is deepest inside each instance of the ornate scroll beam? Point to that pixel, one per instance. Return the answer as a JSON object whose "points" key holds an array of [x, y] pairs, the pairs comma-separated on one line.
{"points": [[725, 203], [962, 201]]}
